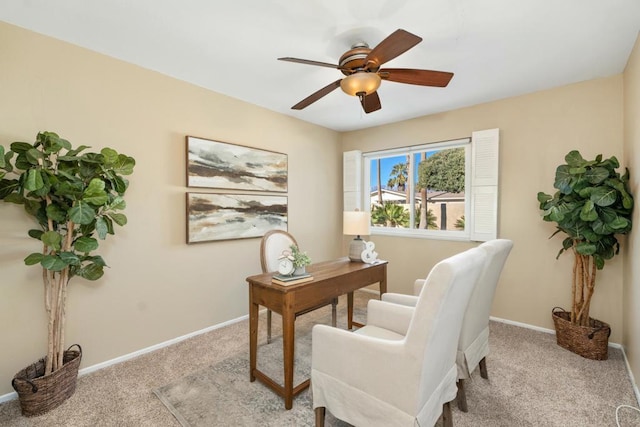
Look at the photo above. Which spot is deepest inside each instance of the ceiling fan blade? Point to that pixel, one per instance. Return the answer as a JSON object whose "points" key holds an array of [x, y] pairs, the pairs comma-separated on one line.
{"points": [[317, 95], [370, 103], [396, 44], [416, 77], [308, 62]]}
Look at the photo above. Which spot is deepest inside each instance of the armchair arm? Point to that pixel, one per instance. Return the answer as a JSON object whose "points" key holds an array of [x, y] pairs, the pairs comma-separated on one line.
{"points": [[363, 362], [390, 316], [417, 286], [402, 299]]}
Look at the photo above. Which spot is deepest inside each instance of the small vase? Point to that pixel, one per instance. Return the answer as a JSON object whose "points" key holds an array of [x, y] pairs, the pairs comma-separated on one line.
{"points": [[299, 271]]}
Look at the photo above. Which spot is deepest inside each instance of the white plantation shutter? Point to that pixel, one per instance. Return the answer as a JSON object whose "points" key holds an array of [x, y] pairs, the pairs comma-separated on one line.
{"points": [[484, 185], [352, 180]]}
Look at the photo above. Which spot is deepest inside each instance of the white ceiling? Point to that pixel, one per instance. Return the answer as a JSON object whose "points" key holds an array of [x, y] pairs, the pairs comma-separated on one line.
{"points": [[496, 48]]}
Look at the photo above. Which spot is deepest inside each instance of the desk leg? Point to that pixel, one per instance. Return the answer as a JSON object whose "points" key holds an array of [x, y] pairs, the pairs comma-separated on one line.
{"points": [[288, 337], [383, 281], [253, 338], [349, 310]]}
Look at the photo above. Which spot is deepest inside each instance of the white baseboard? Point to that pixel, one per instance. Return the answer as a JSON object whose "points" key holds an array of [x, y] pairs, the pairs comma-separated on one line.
{"points": [[84, 371], [13, 395]]}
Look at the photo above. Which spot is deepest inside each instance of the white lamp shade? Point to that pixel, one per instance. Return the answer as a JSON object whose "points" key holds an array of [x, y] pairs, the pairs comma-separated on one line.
{"points": [[356, 223]]}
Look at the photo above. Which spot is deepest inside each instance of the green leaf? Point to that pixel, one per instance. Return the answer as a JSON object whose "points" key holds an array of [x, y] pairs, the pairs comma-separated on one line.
{"points": [[574, 159], [33, 181], [124, 165], [82, 213], [33, 259], [543, 197], [109, 223], [36, 234], [7, 161], [601, 227], [586, 248], [118, 218], [20, 147], [620, 223], [33, 156], [53, 263], [102, 228], [69, 258], [86, 244], [603, 196], [97, 259], [91, 272], [597, 175], [599, 262], [16, 198], [120, 184], [8, 186], [52, 239], [588, 212], [563, 179], [95, 193], [118, 203], [110, 155], [56, 213], [73, 153], [3, 162], [577, 171]]}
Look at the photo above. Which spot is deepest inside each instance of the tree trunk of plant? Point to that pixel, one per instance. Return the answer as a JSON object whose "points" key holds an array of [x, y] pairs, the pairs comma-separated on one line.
{"points": [[584, 278], [423, 209], [55, 302]]}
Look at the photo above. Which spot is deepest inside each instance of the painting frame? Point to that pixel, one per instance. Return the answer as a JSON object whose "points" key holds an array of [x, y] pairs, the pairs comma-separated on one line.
{"points": [[223, 165], [231, 216]]}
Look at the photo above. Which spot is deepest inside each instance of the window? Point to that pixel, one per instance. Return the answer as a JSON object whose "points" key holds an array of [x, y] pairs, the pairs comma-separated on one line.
{"points": [[445, 190]]}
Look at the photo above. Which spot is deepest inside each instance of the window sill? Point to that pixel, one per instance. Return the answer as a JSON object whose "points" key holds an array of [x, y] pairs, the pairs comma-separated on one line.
{"points": [[454, 236]]}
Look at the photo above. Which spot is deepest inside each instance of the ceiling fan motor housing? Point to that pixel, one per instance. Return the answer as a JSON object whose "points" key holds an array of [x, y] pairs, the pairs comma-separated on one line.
{"points": [[354, 60]]}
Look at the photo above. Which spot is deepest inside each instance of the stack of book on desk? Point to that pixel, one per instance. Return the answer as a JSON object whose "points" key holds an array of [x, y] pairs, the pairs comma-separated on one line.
{"points": [[291, 280]]}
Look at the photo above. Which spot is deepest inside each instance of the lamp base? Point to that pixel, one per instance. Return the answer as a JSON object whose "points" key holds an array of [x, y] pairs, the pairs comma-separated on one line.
{"points": [[355, 249]]}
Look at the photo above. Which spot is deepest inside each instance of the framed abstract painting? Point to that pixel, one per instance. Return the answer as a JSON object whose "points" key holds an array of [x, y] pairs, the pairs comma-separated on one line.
{"points": [[213, 216], [215, 164]]}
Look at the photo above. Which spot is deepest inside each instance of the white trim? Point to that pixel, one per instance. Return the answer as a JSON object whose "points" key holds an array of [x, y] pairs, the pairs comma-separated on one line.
{"points": [[89, 369]]}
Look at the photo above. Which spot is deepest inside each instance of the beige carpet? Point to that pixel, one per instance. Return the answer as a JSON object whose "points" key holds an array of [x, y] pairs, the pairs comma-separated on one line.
{"points": [[532, 382]]}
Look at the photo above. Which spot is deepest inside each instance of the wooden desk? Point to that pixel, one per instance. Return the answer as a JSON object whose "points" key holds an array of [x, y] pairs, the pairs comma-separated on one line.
{"points": [[330, 280]]}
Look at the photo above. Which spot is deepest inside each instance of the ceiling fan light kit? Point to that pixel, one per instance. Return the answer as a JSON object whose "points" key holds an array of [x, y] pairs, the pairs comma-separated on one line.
{"points": [[360, 84], [361, 66]]}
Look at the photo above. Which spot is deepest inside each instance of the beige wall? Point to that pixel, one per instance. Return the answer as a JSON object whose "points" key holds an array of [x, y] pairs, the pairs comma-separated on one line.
{"points": [[536, 132], [157, 288], [631, 288]]}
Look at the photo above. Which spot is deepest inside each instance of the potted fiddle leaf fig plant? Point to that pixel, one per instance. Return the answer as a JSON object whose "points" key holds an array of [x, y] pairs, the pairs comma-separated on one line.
{"points": [[75, 197], [591, 206]]}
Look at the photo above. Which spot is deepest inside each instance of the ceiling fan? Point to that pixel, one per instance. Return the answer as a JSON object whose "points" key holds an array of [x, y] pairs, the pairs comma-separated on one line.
{"points": [[361, 66]]}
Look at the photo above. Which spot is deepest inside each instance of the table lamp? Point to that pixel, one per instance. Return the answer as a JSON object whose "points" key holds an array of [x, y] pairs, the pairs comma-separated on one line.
{"points": [[356, 223]]}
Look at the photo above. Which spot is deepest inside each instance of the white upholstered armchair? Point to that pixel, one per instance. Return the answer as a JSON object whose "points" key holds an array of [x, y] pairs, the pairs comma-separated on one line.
{"points": [[271, 247], [399, 369], [473, 346]]}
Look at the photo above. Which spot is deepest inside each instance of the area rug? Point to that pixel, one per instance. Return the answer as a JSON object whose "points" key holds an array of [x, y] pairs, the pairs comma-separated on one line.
{"points": [[222, 394]]}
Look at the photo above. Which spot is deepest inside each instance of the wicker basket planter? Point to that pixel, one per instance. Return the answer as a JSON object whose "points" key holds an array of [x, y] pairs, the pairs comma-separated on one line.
{"points": [[39, 393], [591, 342]]}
